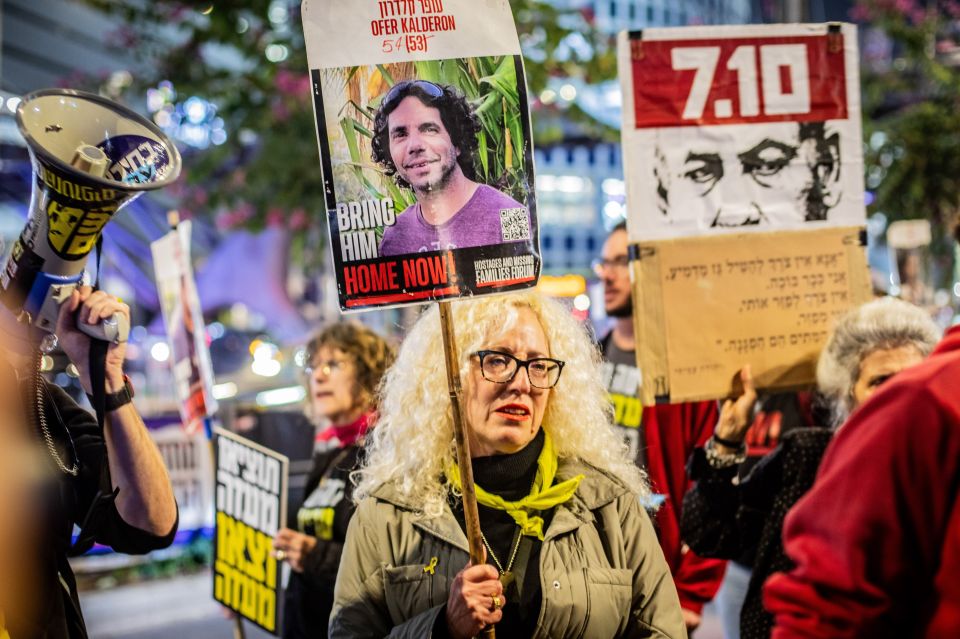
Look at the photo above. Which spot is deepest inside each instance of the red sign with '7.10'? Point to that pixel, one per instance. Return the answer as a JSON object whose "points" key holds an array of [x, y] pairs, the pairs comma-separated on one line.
{"points": [[738, 80]]}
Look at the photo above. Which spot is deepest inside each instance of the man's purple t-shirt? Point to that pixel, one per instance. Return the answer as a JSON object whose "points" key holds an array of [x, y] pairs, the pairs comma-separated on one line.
{"points": [[489, 217]]}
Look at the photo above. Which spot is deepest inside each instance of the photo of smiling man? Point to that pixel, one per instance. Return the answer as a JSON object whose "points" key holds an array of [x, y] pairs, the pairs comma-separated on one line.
{"points": [[425, 138]]}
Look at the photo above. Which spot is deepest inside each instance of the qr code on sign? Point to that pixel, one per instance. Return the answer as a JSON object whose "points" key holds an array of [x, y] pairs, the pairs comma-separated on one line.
{"points": [[515, 224]]}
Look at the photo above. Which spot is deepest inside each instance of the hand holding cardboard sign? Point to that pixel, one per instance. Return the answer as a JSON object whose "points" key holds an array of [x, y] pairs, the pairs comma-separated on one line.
{"points": [[737, 415]]}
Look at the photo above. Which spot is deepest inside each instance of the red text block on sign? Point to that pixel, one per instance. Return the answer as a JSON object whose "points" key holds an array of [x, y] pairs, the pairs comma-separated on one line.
{"points": [[738, 80]]}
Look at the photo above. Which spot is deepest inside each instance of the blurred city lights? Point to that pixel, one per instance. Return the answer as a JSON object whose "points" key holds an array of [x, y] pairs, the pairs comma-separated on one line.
{"points": [[193, 122], [568, 92], [276, 53], [280, 396], [216, 330], [614, 186], [614, 209], [300, 357], [160, 351], [264, 350], [224, 391], [266, 367], [278, 13]]}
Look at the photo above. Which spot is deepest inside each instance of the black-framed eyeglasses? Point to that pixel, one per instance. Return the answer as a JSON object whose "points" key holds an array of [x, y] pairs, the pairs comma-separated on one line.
{"points": [[501, 368], [617, 263], [433, 90]]}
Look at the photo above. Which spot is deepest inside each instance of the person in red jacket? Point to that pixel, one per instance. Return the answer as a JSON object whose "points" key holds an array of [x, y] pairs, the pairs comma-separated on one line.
{"points": [[661, 438], [876, 542]]}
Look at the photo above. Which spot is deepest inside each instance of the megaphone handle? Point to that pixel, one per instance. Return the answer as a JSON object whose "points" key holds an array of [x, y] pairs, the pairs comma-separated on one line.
{"points": [[116, 328]]}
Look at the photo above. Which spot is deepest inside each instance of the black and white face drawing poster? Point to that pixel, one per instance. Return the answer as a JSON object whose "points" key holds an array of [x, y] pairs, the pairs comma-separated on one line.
{"points": [[425, 147], [740, 129]]}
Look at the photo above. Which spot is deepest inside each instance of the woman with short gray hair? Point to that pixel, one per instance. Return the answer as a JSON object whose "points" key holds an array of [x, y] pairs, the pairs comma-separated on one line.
{"points": [[864, 350], [726, 520]]}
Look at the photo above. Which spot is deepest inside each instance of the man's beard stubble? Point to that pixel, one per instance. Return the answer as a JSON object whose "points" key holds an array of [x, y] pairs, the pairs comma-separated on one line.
{"points": [[624, 310], [446, 175]]}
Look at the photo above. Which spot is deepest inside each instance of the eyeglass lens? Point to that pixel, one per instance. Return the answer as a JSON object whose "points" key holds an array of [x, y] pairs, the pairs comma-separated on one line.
{"points": [[502, 367]]}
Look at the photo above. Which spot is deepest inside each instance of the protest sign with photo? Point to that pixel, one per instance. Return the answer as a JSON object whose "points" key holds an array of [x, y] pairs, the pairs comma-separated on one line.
{"points": [[744, 169], [737, 129], [425, 146], [183, 320], [251, 498]]}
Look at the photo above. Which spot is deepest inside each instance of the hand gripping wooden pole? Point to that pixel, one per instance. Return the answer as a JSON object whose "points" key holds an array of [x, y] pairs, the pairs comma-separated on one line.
{"points": [[470, 513]]}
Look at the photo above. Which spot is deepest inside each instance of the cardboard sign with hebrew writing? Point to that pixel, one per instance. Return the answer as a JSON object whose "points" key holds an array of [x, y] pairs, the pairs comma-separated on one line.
{"points": [[425, 147], [734, 129], [767, 300], [251, 506]]}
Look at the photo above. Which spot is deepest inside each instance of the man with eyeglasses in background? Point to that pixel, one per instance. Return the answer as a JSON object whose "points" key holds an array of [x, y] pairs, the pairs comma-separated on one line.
{"points": [[425, 137], [661, 438]]}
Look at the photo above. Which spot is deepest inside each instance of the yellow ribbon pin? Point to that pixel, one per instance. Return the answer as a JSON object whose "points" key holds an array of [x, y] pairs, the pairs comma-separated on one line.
{"points": [[431, 567]]}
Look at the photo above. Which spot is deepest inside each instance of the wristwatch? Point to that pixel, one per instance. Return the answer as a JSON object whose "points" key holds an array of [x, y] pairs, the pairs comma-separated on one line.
{"points": [[113, 401]]}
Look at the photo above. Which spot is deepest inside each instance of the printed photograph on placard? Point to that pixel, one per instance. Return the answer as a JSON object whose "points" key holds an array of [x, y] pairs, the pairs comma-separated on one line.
{"points": [[739, 129], [430, 179]]}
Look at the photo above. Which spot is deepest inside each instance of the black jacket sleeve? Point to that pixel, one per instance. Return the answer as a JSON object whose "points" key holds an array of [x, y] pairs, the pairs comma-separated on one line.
{"points": [[723, 518], [92, 502]]}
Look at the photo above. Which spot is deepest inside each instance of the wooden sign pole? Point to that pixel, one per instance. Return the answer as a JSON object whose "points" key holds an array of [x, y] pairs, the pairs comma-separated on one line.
{"points": [[470, 513]]}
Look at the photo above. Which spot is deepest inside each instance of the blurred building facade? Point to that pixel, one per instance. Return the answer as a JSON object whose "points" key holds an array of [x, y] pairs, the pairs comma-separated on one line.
{"points": [[580, 187]]}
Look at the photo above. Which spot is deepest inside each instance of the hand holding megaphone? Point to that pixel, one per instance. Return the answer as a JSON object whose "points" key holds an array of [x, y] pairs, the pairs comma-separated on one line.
{"points": [[110, 328], [90, 157], [86, 311]]}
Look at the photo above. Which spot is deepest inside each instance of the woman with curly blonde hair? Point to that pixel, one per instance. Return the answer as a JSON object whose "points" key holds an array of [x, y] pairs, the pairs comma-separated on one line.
{"points": [[570, 551]]}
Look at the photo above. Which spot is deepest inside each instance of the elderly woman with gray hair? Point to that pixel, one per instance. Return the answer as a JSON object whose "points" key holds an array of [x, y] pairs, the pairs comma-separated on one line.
{"points": [[724, 518]]}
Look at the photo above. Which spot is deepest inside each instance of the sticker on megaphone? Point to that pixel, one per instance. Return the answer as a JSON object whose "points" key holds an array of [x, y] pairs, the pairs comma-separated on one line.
{"points": [[135, 159], [80, 185]]}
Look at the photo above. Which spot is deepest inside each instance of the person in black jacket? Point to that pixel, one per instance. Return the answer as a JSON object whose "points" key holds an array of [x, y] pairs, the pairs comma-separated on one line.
{"points": [[110, 481], [345, 364], [726, 518]]}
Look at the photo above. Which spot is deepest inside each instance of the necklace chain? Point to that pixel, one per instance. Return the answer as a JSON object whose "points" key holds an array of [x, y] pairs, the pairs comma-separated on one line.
{"points": [[513, 554], [45, 429]]}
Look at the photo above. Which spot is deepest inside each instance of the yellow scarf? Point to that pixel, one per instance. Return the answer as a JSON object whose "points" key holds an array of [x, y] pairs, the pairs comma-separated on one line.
{"points": [[543, 495]]}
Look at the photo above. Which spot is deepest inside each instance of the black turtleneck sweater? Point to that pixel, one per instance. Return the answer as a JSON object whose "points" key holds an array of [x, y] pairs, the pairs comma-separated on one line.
{"points": [[511, 477]]}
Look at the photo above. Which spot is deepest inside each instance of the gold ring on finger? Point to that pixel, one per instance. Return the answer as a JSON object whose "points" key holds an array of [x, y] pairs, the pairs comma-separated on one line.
{"points": [[496, 602]]}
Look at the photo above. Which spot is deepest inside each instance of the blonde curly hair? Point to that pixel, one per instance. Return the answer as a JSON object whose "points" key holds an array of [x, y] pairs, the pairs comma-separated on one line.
{"points": [[414, 441]]}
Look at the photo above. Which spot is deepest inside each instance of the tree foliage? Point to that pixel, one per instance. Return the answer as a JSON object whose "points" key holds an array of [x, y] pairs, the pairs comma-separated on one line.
{"points": [[911, 105], [267, 171]]}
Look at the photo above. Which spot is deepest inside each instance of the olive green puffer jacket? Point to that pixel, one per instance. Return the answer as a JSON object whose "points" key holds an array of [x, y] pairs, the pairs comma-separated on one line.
{"points": [[602, 573]]}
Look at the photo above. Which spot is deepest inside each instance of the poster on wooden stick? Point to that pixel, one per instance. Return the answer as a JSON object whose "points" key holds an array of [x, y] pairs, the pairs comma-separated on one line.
{"points": [[426, 151]]}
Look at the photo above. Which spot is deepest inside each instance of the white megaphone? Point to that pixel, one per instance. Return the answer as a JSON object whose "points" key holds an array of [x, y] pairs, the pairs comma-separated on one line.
{"points": [[90, 157]]}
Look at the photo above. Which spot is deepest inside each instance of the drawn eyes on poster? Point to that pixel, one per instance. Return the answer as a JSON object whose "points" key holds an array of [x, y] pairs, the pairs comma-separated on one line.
{"points": [[748, 133], [775, 176], [427, 162]]}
